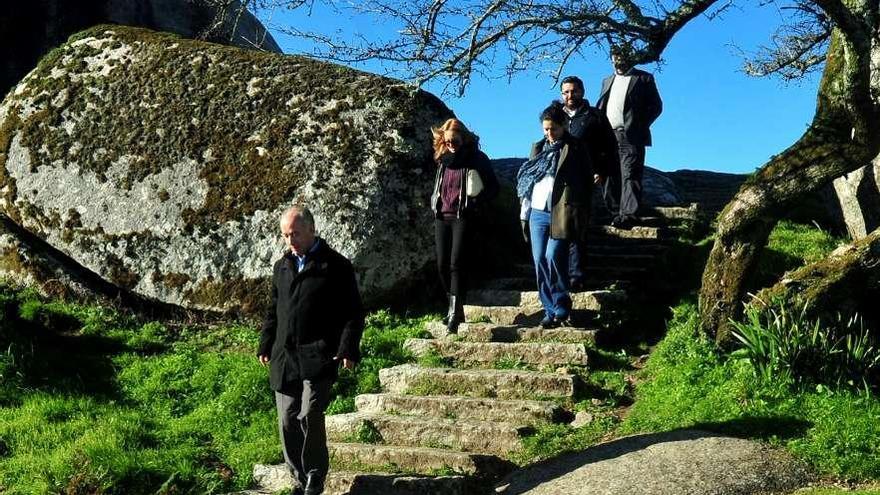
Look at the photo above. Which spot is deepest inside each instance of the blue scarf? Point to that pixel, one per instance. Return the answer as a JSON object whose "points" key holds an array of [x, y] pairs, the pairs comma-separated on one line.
{"points": [[532, 171]]}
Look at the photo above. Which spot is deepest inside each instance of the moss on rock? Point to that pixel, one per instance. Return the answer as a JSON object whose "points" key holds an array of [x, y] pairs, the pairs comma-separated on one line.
{"points": [[140, 153]]}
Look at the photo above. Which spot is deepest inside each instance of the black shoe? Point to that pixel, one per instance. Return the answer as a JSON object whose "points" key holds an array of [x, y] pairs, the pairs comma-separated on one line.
{"points": [[549, 322], [456, 314], [314, 485], [623, 223], [576, 284]]}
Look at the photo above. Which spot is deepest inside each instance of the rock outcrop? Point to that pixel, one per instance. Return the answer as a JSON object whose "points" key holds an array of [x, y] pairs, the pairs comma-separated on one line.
{"points": [[162, 165], [658, 190], [30, 29]]}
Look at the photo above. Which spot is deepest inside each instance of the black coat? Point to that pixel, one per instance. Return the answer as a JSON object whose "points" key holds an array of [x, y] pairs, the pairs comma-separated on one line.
{"points": [[469, 158], [591, 127], [641, 107], [314, 316]]}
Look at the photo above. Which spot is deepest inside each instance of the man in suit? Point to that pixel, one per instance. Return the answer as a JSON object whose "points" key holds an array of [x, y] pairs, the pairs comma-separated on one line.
{"points": [[590, 126], [313, 324], [630, 100]]}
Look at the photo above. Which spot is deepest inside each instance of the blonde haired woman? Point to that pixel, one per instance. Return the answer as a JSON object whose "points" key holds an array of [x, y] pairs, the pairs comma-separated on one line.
{"points": [[463, 183]]}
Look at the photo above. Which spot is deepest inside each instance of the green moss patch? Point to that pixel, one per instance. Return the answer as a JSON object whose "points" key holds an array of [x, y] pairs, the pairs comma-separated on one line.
{"points": [[248, 117]]}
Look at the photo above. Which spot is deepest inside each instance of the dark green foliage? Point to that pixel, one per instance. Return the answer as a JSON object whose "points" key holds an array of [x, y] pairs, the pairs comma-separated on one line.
{"points": [[781, 343]]}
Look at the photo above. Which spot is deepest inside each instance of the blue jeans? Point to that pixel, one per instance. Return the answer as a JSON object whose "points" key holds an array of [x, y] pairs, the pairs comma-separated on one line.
{"points": [[551, 266]]}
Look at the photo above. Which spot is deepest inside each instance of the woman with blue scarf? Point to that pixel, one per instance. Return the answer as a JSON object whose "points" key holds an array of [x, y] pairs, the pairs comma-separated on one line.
{"points": [[555, 187]]}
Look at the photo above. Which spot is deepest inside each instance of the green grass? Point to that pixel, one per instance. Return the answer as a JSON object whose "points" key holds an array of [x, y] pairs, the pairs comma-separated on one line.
{"points": [[93, 401], [687, 384], [791, 245], [838, 491]]}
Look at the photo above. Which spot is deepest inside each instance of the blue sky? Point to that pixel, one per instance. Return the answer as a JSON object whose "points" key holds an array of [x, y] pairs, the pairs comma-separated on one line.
{"points": [[715, 117]]}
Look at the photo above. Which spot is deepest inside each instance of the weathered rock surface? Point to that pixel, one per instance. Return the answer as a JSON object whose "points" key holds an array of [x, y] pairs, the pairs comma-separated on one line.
{"points": [[503, 384], [523, 412], [463, 435], [680, 462], [538, 353], [422, 460], [589, 300], [488, 332], [28, 30], [163, 164], [271, 479]]}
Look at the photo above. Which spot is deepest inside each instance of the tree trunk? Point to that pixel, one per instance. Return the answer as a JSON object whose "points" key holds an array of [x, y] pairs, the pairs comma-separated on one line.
{"points": [[842, 137]]}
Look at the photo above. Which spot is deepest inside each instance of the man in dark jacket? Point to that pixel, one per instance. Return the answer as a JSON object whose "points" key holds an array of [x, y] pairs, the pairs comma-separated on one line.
{"points": [[630, 100], [313, 324], [590, 126]]}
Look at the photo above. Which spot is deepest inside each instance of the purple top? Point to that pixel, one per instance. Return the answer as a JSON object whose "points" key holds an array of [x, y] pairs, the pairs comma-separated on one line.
{"points": [[450, 191]]}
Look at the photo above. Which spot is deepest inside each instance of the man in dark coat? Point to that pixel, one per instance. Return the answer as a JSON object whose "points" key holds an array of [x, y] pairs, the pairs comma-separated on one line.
{"points": [[314, 324], [630, 100], [590, 126]]}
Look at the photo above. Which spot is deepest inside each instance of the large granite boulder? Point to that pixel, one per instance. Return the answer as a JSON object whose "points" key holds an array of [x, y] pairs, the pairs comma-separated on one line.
{"points": [[30, 29], [162, 165]]}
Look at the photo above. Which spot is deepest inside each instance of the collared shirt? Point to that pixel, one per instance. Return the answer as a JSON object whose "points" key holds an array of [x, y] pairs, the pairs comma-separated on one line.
{"points": [[571, 113], [617, 100], [301, 260]]}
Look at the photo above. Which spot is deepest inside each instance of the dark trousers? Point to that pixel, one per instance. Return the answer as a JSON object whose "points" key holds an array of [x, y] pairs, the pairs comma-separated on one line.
{"points": [[450, 238], [577, 257], [301, 424], [623, 193]]}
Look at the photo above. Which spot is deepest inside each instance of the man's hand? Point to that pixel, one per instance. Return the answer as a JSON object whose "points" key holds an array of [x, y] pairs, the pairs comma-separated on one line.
{"points": [[598, 179], [264, 359], [525, 230], [346, 363]]}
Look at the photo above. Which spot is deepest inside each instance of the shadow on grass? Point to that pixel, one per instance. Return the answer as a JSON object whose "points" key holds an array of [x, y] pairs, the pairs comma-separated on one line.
{"points": [[759, 427], [52, 356]]}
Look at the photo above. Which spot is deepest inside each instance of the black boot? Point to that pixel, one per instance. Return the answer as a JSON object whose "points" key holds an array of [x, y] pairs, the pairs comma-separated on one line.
{"points": [[314, 485], [449, 313], [456, 313]]}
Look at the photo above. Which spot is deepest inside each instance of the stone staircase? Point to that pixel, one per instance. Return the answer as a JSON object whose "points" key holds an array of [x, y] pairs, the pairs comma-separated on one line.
{"points": [[452, 424]]}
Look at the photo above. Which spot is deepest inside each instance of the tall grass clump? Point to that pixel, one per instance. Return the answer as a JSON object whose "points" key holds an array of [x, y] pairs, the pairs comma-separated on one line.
{"points": [[689, 382], [784, 344]]}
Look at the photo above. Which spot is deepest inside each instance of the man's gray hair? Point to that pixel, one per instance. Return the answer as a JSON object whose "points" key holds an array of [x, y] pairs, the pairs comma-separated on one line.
{"points": [[301, 213]]}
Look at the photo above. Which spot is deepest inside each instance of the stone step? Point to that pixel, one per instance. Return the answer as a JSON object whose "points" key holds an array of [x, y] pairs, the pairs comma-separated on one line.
{"points": [[421, 460], [483, 437], [594, 300], [613, 259], [537, 353], [624, 247], [689, 212], [638, 232], [529, 283], [501, 384], [272, 479], [528, 316], [519, 412], [596, 272], [488, 332]]}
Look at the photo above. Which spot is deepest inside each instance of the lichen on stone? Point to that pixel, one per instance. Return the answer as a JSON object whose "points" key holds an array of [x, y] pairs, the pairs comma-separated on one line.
{"points": [[163, 164]]}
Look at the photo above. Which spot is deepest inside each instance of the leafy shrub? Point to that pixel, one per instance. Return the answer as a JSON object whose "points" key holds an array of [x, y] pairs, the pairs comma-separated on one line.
{"points": [[788, 346]]}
